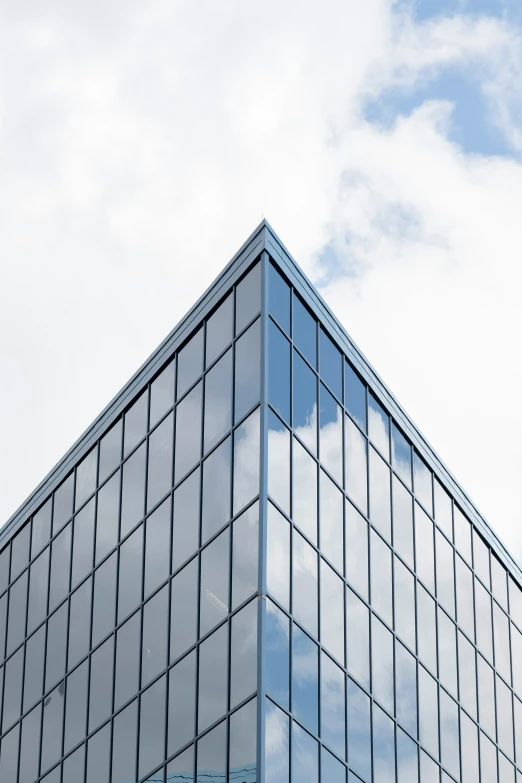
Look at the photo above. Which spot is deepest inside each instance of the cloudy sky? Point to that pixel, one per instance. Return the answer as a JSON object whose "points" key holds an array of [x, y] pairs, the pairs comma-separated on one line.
{"points": [[140, 145]]}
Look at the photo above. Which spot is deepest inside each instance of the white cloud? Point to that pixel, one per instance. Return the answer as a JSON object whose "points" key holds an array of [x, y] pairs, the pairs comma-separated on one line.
{"points": [[139, 147]]}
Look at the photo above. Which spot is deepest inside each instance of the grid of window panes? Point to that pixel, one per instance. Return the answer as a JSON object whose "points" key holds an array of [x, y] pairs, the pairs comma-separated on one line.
{"points": [[128, 609], [393, 633]]}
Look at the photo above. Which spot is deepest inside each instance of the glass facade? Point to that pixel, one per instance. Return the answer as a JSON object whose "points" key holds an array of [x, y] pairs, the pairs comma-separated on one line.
{"points": [[254, 571]]}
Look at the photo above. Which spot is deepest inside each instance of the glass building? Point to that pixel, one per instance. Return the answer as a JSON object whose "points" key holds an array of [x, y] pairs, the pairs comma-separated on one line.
{"points": [[253, 567]]}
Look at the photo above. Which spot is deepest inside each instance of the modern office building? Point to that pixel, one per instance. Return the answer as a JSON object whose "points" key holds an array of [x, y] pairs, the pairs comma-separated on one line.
{"points": [[253, 567]]}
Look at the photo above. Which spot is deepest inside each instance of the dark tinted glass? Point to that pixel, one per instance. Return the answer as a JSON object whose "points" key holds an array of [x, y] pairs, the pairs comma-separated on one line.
{"points": [[279, 371], [182, 703], [124, 744], [159, 477], [246, 461], [79, 623], [83, 543], [56, 647], [98, 756], [248, 298], [188, 432], [184, 613], [135, 424], [355, 396], [216, 490], [245, 539], [127, 661], [20, 551], [220, 329], [152, 727], [63, 503], [52, 727], [304, 331], [41, 531], [185, 532], [60, 564], [212, 678], [110, 451], [279, 298], [30, 746], [109, 507], [154, 641], [76, 700], [247, 371], [133, 491], [4, 568], [34, 668], [38, 585], [104, 599], [214, 583], [330, 364], [100, 694], [131, 565], [190, 362], [218, 401], [157, 547], [304, 409], [86, 478], [162, 393]]}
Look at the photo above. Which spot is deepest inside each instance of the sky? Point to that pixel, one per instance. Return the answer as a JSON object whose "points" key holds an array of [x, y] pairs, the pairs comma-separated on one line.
{"points": [[141, 144]]}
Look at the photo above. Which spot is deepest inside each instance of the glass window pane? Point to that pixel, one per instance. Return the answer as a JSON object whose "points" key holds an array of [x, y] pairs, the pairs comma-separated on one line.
{"points": [[130, 574], [486, 696], [86, 477], [449, 734], [332, 612], [38, 586], [481, 559], [330, 364], [424, 548], [243, 744], [488, 758], [9, 754], [355, 396], [484, 627], [279, 298], [127, 660], [52, 728], [110, 451], [382, 664], [100, 695], [154, 641], [499, 582], [277, 654], [331, 434], [278, 462], [356, 554], [190, 362], [278, 556], [124, 744], [247, 382], [20, 551], [277, 745], [248, 298], [76, 699], [423, 483], [181, 769], [380, 513], [159, 478], [383, 747], [465, 612], [246, 461], [379, 426], [63, 503], [467, 676], [331, 768], [185, 532], [133, 491], [220, 329], [135, 423], [304, 508], [188, 432], [462, 534], [501, 636], [407, 759], [213, 678], [401, 455], [29, 747], [333, 706], [445, 573], [304, 408], [182, 703], [98, 756], [13, 689], [162, 393], [107, 514], [214, 583], [41, 533], [356, 468], [183, 609], [304, 331], [406, 689], [56, 646], [245, 540], [279, 371], [152, 728], [381, 576], [104, 603], [60, 565], [426, 633], [305, 756], [359, 734], [428, 707], [212, 755], [447, 652], [443, 516], [157, 547], [430, 772], [304, 592], [83, 543], [34, 668], [218, 402], [404, 595], [358, 638], [331, 521], [79, 623], [504, 716], [469, 745], [74, 766], [243, 654], [305, 691], [402, 521]]}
